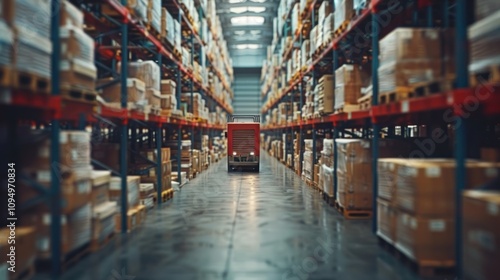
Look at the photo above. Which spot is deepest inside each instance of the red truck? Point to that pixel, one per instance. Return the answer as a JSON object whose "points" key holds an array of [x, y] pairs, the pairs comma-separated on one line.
{"points": [[243, 143]]}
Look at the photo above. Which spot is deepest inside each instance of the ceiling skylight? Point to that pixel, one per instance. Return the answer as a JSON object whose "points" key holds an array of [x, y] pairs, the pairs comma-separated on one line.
{"points": [[247, 20]]}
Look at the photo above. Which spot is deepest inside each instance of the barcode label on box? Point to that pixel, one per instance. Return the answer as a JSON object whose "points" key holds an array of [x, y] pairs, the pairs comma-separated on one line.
{"points": [[433, 172]]}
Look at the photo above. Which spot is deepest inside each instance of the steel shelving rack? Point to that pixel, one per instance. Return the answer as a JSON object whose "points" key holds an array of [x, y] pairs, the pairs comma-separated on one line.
{"points": [[126, 126], [412, 111]]}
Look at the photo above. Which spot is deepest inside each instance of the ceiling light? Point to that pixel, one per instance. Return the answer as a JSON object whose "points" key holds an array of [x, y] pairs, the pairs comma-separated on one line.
{"points": [[239, 10], [255, 32], [258, 1], [236, 1], [247, 20], [239, 32], [247, 46]]}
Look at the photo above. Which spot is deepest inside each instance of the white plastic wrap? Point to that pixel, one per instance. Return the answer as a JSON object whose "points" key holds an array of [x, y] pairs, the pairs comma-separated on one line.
{"points": [[75, 43], [33, 17], [485, 8], [6, 41], [33, 54], [71, 15], [484, 39]]}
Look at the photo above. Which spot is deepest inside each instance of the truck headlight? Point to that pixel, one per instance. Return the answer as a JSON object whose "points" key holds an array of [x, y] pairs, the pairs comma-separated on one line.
{"points": [[234, 153], [252, 154]]}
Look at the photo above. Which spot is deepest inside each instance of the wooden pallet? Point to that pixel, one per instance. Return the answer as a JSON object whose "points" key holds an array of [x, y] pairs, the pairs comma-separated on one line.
{"points": [[96, 245], [5, 76], [347, 108], [424, 268], [151, 30], [155, 110], [25, 274], [490, 75], [365, 102], [78, 94], [30, 82], [420, 90], [353, 214]]}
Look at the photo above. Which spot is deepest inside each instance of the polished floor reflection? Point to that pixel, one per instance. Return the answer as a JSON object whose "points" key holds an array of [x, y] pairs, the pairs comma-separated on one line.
{"points": [[244, 226]]}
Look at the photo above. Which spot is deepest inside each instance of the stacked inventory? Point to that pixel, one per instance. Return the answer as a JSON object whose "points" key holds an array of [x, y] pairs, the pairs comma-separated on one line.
{"points": [[148, 171], [75, 173], [403, 68], [347, 87], [103, 209], [31, 59], [307, 164], [143, 87], [168, 100], [326, 94], [417, 208], [133, 208], [78, 72], [327, 167], [480, 225], [186, 162]]}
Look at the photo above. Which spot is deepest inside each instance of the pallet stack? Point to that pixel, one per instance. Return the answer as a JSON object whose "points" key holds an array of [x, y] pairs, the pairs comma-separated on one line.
{"points": [[417, 207], [134, 208], [103, 210], [78, 73], [307, 164], [483, 35], [75, 173], [347, 88], [168, 100], [406, 72], [28, 67]]}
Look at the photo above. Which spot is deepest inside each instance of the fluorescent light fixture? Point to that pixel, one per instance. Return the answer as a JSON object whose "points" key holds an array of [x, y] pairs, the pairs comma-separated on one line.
{"points": [[252, 154], [239, 10], [247, 20], [255, 32], [234, 153], [247, 46], [236, 1], [258, 1]]}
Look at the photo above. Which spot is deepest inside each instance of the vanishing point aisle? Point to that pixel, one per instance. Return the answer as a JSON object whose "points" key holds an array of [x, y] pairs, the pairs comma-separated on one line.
{"points": [[262, 226]]}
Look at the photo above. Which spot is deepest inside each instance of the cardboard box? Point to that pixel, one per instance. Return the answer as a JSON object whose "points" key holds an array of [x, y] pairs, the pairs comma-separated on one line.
{"points": [[424, 239], [481, 231], [347, 85], [490, 154], [386, 221], [132, 188], [75, 190], [136, 90], [108, 154], [132, 222], [355, 200], [426, 187], [76, 230], [100, 187], [25, 252], [147, 71], [154, 98], [103, 220]]}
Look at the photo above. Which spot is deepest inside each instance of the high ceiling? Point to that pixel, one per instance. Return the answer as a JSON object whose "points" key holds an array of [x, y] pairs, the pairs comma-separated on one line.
{"points": [[247, 25]]}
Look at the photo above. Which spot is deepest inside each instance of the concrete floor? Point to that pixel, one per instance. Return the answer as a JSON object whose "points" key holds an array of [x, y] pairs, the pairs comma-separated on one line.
{"points": [[243, 226]]}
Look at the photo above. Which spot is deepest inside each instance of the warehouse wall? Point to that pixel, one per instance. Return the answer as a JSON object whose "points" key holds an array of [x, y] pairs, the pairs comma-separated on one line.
{"points": [[246, 88]]}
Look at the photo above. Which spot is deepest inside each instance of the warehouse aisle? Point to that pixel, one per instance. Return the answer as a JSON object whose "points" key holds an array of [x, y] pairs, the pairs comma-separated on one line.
{"points": [[245, 226]]}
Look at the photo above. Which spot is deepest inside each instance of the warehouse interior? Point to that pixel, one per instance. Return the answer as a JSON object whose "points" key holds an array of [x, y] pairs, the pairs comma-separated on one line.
{"points": [[372, 127]]}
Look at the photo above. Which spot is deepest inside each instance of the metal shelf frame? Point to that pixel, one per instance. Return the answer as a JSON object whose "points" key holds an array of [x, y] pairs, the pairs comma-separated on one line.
{"points": [[373, 122]]}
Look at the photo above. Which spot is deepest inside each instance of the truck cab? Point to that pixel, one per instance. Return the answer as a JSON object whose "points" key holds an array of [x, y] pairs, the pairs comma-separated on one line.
{"points": [[243, 147]]}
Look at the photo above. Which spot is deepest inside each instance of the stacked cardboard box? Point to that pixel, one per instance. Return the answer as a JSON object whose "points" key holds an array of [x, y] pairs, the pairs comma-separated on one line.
{"points": [[481, 232], [308, 164], [133, 201], [347, 86], [148, 72], [147, 194], [404, 66], [483, 36], [103, 210], [153, 15], [417, 206], [32, 38], [185, 155], [149, 173], [168, 100], [326, 94], [77, 51]]}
